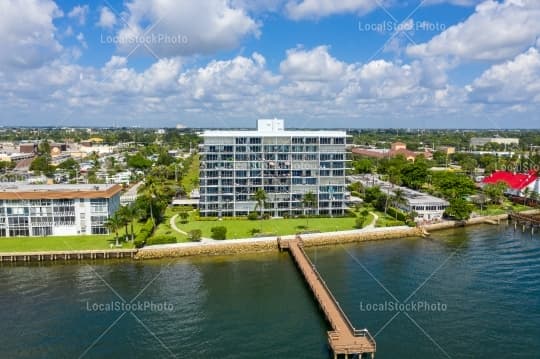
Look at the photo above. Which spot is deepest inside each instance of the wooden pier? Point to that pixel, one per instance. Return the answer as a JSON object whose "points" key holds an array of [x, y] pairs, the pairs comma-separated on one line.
{"points": [[525, 221], [344, 339], [67, 255]]}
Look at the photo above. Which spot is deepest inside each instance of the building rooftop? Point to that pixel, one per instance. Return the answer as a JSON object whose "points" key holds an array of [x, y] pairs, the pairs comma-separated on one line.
{"points": [[57, 191], [284, 133], [517, 181], [272, 128]]}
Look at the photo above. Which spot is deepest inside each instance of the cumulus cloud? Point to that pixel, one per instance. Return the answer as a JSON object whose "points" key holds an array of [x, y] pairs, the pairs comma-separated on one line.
{"points": [[516, 81], [27, 33], [79, 13], [107, 19], [453, 2], [183, 27], [302, 9], [316, 64], [496, 31]]}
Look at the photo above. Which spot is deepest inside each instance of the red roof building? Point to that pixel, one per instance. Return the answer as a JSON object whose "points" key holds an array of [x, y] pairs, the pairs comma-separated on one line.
{"points": [[516, 182]]}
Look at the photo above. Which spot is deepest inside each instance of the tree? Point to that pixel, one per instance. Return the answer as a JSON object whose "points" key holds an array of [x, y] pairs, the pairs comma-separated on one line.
{"points": [[128, 214], [112, 224], [309, 200], [414, 175], [184, 215], [468, 165], [453, 185], [399, 199], [495, 191], [138, 161], [526, 194], [459, 209], [260, 197]]}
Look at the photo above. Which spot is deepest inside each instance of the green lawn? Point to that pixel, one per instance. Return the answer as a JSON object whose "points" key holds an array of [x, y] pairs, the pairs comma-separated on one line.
{"points": [[386, 220], [191, 179], [242, 228], [164, 227], [59, 243]]}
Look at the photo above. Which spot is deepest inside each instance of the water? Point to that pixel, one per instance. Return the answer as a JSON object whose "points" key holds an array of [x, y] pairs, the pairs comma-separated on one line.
{"points": [[485, 282]]}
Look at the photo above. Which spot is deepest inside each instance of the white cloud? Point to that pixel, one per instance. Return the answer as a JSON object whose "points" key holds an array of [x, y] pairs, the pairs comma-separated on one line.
{"points": [[184, 27], [81, 39], [302, 9], [107, 19], [453, 2], [516, 81], [308, 65], [496, 31], [79, 13], [27, 33]]}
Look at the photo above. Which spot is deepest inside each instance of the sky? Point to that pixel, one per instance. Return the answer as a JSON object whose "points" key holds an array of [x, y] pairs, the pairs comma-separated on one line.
{"points": [[314, 63]]}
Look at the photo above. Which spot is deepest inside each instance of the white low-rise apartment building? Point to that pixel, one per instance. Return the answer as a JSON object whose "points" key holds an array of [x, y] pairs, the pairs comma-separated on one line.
{"points": [[285, 164], [45, 210]]}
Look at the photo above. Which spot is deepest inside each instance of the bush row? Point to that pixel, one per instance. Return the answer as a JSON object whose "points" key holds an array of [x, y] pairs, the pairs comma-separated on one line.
{"points": [[162, 239], [144, 233]]}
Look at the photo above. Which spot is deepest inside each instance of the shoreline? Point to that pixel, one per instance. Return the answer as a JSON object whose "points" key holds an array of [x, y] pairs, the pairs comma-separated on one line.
{"points": [[255, 245]]}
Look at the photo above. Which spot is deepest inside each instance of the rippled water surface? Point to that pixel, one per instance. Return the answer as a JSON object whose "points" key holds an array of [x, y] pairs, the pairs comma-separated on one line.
{"points": [[482, 285]]}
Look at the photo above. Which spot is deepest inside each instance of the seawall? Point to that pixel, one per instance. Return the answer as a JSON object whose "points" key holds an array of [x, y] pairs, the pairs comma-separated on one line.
{"points": [[250, 245]]}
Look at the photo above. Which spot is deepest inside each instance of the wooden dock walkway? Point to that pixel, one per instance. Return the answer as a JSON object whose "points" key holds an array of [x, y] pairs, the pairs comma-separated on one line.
{"points": [[66, 255], [344, 339], [526, 221]]}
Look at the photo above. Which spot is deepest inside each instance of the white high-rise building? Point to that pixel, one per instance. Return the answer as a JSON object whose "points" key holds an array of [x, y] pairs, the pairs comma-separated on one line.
{"points": [[285, 164]]}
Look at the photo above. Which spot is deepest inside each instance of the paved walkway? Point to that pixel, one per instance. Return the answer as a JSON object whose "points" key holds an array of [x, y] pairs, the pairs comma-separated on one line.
{"points": [[373, 222], [172, 223]]}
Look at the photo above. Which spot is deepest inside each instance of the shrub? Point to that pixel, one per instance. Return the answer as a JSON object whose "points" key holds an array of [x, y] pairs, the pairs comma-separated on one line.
{"points": [[144, 233], [253, 216], [400, 215], [350, 213], [255, 231], [162, 239], [266, 216], [359, 222], [364, 213], [195, 235], [183, 217], [219, 232]]}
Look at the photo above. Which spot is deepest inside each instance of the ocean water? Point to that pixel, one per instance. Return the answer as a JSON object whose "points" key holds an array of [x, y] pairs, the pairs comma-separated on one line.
{"points": [[464, 293]]}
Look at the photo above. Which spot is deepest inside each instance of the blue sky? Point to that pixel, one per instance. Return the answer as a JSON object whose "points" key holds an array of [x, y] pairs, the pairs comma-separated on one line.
{"points": [[217, 63]]}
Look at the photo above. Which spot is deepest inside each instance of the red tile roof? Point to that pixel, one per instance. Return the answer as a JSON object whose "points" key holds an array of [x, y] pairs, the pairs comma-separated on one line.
{"points": [[517, 181]]}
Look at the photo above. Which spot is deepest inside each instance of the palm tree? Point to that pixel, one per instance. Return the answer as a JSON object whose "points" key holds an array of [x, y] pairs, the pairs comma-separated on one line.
{"points": [[261, 197], [128, 214], [309, 200], [526, 195], [112, 224], [399, 199]]}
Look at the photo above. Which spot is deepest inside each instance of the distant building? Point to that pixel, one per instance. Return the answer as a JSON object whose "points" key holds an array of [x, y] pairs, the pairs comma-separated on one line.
{"points": [[28, 147], [447, 150], [426, 208], [396, 149], [44, 210], [482, 141], [285, 164], [516, 182]]}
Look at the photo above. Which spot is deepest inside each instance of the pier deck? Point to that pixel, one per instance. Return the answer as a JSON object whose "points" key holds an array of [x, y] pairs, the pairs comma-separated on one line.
{"points": [[343, 339]]}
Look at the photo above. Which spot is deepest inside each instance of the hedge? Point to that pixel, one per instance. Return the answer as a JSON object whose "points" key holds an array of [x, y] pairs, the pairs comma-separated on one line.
{"points": [[391, 211], [162, 239], [144, 233]]}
